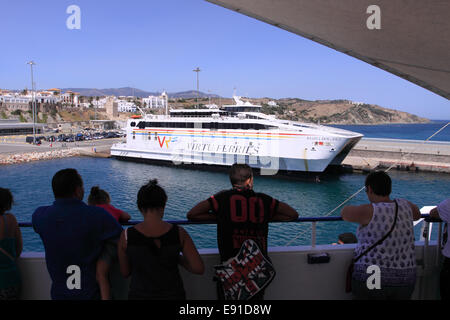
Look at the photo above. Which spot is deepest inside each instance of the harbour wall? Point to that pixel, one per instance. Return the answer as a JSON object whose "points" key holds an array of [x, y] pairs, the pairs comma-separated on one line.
{"points": [[409, 155]]}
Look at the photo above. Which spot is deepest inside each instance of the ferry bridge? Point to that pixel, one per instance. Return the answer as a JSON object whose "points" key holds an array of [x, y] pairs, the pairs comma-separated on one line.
{"points": [[296, 279]]}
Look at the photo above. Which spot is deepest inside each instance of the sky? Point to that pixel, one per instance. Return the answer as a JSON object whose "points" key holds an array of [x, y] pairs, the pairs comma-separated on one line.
{"points": [[155, 45]]}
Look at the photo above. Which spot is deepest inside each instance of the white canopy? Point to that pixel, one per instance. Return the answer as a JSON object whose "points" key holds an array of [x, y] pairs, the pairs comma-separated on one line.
{"points": [[413, 41]]}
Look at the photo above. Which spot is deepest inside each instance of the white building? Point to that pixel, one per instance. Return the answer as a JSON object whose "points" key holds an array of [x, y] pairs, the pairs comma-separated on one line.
{"points": [[70, 98], [126, 106], [15, 101], [45, 97], [100, 103], [272, 104], [155, 101]]}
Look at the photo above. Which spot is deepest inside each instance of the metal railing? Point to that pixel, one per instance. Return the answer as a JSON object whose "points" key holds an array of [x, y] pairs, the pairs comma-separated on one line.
{"points": [[425, 231]]}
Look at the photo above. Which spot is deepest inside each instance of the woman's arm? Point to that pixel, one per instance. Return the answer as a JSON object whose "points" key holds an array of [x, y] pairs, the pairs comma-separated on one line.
{"points": [[122, 255], [415, 211], [124, 217], [190, 259], [360, 214], [17, 236]]}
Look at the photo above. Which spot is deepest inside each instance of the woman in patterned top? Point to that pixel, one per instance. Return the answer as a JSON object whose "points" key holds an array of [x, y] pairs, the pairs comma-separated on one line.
{"points": [[395, 256]]}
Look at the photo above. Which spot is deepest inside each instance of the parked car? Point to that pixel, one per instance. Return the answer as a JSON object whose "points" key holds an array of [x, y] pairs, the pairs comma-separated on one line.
{"points": [[112, 135]]}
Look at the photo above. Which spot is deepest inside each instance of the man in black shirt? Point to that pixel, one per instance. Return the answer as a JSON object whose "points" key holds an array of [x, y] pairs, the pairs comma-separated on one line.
{"points": [[241, 213]]}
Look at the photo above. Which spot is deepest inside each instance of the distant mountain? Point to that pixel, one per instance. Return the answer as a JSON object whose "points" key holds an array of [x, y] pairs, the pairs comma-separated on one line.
{"points": [[191, 94], [128, 91]]}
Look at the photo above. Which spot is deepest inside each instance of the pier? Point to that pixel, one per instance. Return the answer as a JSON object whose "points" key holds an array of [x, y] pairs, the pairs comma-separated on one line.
{"points": [[408, 155]]}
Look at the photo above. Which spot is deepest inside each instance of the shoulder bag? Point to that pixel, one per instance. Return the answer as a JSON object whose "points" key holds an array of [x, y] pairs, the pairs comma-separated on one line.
{"points": [[246, 274]]}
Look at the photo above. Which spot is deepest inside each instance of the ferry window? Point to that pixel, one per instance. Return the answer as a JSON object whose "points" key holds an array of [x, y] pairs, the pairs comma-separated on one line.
{"points": [[206, 125], [156, 135], [141, 125], [133, 124], [149, 135], [134, 135]]}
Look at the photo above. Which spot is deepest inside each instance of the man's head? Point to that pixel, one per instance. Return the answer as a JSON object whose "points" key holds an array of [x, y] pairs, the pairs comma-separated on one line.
{"points": [[347, 237], [67, 183], [241, 176], [378, 183]]}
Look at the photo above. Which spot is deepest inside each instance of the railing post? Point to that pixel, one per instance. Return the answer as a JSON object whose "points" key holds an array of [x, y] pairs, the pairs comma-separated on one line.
{"points": [[438, 245], [313, 234]]}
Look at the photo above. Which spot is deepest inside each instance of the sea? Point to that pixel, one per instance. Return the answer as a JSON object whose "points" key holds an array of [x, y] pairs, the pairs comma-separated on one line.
{"points": [[30, 184]]}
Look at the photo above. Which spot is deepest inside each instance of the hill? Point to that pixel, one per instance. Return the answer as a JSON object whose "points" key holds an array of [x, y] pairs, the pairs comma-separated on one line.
{"points": [[128, 91]]}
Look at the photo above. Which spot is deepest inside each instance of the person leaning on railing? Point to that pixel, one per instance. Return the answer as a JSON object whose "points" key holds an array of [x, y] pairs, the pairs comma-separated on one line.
{"points": [[442, 211], [151, 251], [74, 235], [395, 255], [10, 249], [241, 214]]}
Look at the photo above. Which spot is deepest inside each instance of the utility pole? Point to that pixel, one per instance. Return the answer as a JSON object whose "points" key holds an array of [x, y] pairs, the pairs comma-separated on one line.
{"points": [[197, 70], [33, 102]]}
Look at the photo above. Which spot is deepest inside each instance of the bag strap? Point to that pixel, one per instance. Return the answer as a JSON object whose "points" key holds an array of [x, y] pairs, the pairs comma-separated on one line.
{"points": [[7, 254], [382, 239]]}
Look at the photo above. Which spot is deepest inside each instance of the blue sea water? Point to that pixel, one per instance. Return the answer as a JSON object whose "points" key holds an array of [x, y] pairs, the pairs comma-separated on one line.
{"points": [[30, 184], [419, 131]]}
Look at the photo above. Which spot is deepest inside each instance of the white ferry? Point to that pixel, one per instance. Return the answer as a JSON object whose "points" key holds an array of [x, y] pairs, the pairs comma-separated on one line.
{"points": [[234, 133]]}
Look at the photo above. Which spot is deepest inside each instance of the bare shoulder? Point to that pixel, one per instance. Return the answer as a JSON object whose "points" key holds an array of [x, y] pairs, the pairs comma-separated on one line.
{"points": [[182, 233], [11, 218], [361, 214]]}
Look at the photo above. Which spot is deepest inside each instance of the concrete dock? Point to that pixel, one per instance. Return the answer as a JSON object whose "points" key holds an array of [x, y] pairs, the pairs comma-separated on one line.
{"points": [[409, 155]]}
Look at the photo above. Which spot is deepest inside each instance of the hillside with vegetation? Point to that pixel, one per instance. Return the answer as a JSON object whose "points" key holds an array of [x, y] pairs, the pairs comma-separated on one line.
{"points": [[319, 111], [323, 111]]}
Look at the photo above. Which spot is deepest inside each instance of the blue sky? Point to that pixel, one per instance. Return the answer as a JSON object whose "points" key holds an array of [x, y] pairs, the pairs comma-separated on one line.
{"points": [[155, 45]]}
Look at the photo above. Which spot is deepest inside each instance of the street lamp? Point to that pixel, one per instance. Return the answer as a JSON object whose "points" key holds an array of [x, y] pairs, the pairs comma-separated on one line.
{"points": [[33, 103], [197, 70]]}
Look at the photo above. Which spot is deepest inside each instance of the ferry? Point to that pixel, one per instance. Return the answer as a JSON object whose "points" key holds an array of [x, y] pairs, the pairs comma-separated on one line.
{"points": [[234, 133]]}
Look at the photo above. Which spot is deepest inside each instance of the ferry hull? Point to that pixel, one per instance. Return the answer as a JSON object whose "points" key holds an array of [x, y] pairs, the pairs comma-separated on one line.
{"points": [[314, 161]]}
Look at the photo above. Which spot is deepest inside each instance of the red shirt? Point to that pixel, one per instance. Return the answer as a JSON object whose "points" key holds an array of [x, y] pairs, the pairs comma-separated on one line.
{"points": [[116, 213]]}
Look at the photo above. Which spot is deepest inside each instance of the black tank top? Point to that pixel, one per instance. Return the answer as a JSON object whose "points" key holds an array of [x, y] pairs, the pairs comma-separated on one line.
{"points": [[154, 271]]}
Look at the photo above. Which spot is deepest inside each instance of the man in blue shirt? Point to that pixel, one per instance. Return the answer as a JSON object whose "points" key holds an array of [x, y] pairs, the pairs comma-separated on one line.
{"points": [[73, 234]]}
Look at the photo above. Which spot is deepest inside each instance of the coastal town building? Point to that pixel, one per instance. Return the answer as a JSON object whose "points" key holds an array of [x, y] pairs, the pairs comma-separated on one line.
{"points": [[126, 106], [111, 107], [12, 102], [155, 101], [70, 98]]}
